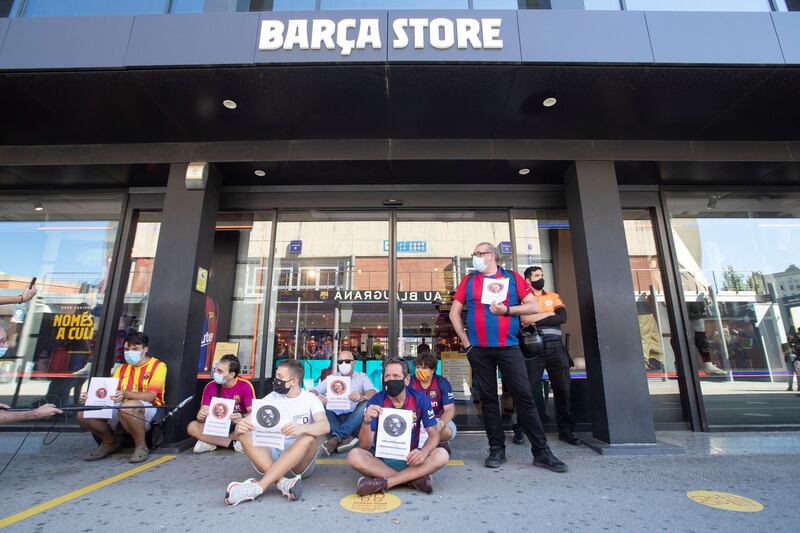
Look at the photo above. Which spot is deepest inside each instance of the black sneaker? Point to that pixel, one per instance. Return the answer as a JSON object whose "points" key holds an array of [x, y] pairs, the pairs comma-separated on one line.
{"points": [[519, 437], [497, 456], [570, 438], [547, 460]]}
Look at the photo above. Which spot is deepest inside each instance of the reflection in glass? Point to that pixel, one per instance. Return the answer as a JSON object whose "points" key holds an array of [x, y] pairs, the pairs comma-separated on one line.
{"points": [[651, 310], [698, 5], [330, 290], [137, 290], [51, 340], [67, 8], [738, 262]]}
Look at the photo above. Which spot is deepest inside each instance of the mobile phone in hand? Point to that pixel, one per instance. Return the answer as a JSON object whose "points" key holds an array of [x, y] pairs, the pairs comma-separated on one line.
{"points": [[33, 282]]}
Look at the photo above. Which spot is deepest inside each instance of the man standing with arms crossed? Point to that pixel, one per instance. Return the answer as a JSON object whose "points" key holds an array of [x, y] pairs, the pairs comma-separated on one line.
{"points": [[552, 313], [492, 343]]}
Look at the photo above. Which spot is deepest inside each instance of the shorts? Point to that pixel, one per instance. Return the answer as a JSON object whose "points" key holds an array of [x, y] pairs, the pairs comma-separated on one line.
{"points": [[395, 464], [291, 473], [453, 430], [149, 413]]}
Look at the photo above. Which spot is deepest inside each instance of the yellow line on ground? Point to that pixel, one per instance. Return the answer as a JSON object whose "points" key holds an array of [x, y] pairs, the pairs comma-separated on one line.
{"points": [[344, 462], [42, 507]]}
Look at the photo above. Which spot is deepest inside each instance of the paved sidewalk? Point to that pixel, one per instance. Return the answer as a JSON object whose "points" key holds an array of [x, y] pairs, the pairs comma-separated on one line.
{"points": [[600, 493]]}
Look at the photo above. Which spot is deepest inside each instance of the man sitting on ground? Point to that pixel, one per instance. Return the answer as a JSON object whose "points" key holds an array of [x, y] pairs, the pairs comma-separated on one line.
{"points": [[416, 470], [440, 393], [301, 448], [141, 389], [227, 384], [345, 423]]}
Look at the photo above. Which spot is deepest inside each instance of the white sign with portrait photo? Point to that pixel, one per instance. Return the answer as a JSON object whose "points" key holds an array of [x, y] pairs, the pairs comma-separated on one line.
{"points": [[394, 433]]}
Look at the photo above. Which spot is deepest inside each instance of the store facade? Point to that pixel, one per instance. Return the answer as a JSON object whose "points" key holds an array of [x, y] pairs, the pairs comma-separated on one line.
{"points": [[349, 161]]}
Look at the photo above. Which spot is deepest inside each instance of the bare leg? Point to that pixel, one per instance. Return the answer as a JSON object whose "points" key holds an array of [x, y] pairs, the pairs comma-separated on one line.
{"points": [[290, 459], [369, 465], [445, 435], [97, 426], [195, 429], [132, 421]]}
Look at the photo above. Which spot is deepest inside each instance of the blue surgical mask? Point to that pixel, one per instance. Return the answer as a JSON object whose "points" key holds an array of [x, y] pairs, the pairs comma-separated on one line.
{"points": [[478, 263], [3, 350], [133, 357], [219, 379]]}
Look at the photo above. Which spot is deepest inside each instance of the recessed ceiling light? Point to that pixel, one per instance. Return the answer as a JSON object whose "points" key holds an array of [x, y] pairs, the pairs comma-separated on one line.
{"points": [[549, 102], [230, 104], [524, 171], [37, 206], [260, 173]]}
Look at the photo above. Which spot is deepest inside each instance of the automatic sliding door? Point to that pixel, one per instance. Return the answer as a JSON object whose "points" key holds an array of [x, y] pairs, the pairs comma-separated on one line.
{"points": [[330, 290]]}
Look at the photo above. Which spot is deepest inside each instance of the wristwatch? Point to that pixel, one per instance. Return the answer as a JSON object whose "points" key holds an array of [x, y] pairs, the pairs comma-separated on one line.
{"points": [[508, 311]]}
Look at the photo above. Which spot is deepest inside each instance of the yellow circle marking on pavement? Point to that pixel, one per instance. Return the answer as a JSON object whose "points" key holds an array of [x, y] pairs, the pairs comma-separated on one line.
{"points": [[370, 504], [725, 501]]}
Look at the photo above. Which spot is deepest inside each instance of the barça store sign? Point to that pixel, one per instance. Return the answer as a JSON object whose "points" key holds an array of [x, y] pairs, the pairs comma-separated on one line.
{"points": [[347, 296]]}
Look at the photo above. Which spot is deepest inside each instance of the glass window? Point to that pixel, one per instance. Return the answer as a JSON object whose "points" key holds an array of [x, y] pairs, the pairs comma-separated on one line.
{"points": [[5, 8], [566, 4], [543, 238], [137, 290], [651, 310], [330, 290], [698, 5], [394, 4], [65, 8], [222, 6], [735, 250], [50, 342], [495, 4], [237, 282]]}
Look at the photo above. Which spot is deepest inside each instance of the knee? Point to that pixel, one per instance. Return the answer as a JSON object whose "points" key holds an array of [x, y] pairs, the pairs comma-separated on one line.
{"points": [[355, 457], [193, 429], [305, 440], [439, 457]]}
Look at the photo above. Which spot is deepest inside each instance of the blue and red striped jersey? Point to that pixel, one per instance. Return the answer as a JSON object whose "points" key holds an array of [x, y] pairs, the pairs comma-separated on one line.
{"points": [[440, 393], [483, 328], [416, 402]]}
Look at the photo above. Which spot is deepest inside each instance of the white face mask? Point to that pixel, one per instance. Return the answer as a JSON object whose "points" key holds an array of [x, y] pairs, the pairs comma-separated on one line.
{"points": [[345, 368], [478, 263]]}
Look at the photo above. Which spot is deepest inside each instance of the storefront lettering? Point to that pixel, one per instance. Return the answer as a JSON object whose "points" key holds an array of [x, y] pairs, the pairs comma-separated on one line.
{"points": [[357, 34], [74, 327], [383, 296]]}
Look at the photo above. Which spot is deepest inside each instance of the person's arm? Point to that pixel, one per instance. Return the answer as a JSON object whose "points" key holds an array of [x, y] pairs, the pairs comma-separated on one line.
{"points": [[447, 416], [428, 423], [448, 402], [45, 411], [366, 434], [205, 402], [554, 319], [458, 324], [26, 295], [529, 306]]}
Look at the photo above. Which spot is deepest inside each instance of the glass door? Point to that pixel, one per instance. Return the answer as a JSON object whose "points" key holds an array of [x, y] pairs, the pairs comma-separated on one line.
{"points": [[330, 290], [433, 254]]}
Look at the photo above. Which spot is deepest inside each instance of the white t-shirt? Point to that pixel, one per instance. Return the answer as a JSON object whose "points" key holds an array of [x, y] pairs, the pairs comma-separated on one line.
{"points": [[300, 408]]}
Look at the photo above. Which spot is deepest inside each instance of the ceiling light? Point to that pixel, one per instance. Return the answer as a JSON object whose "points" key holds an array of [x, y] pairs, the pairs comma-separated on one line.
{"points": [[260, 173], [37, 206], [230, 104], [549, 102], [524, 171]]}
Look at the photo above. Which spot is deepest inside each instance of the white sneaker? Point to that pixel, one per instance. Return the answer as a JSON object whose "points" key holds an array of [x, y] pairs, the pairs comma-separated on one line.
{"points": [[238, 446], [202, 447], [712, 369], [291, 487], [247, 490]]}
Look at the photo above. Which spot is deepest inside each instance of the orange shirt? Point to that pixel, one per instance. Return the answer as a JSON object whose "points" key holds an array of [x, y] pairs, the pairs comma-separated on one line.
{"points": [[549, 302], [149, 377]]}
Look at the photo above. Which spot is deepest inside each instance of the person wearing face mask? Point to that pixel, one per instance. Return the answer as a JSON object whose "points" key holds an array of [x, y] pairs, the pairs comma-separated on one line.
{"points": [[440, 393], [416, 471], [226, 384], [554, 359], [491, 342], [345, 423], [141, 385], [288, 467]]}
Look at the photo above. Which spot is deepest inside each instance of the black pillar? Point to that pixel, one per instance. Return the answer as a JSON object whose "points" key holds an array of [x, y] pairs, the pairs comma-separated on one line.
{"points": [[620, 400], [175, 310]]}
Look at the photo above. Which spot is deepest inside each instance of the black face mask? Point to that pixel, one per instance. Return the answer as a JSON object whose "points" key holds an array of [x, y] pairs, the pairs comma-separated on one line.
{"points": [[279, 386], [394, 387], [538, 284]]}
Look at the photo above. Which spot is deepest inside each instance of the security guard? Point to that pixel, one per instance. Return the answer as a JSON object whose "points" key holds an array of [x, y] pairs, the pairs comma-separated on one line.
{"points": [[554, 359]]}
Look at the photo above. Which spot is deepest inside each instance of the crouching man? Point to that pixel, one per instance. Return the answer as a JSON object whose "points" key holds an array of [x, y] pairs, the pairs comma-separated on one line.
{"points": [[288, 467], [382, 474]]}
